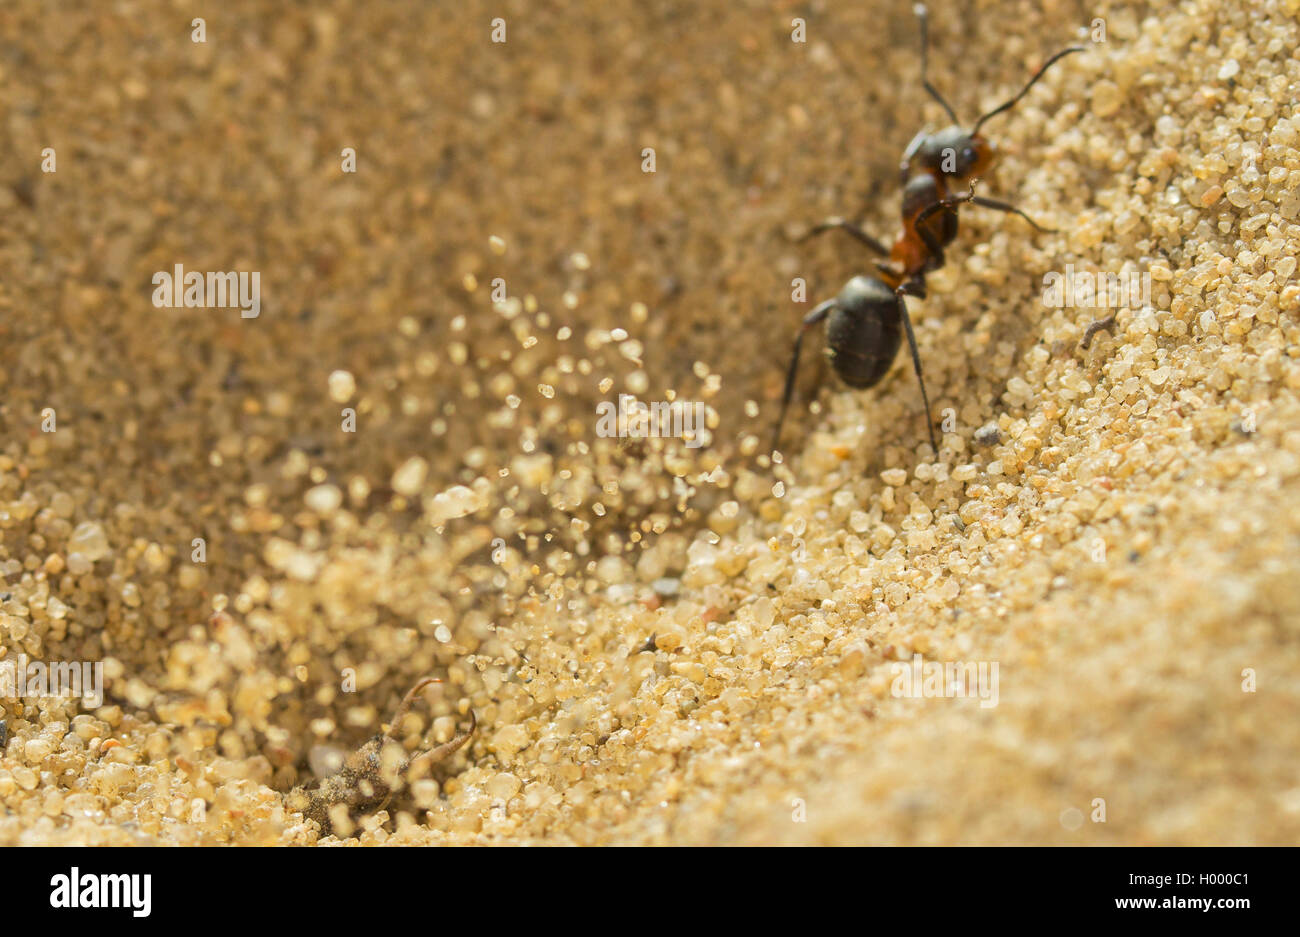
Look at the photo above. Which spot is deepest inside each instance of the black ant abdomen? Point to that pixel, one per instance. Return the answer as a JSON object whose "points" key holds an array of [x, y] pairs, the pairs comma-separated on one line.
{"points": [[863, 331], [867, 321]]}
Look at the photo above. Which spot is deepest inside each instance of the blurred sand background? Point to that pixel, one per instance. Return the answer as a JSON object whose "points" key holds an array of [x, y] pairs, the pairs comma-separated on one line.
{"points": [[670, 645]]}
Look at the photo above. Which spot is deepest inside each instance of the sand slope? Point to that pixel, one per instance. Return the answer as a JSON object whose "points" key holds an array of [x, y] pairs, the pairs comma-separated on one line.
{"points": [[662, 644]]}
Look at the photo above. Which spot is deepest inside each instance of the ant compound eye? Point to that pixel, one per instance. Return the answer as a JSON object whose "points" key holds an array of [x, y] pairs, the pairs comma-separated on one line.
{"points": [[968, 156]]}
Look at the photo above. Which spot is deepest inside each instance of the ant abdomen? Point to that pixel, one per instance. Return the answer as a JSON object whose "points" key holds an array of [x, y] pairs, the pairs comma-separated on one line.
{"points": [[862, 332]]}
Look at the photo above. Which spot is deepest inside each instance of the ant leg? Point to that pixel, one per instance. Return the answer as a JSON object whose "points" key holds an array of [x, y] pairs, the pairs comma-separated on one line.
{"points": [[931, 243], [405, 705], [953, 201], [814, 317], [1010, 209], [908, 289], [831, 224], [923, 16], [947, 202], [944, 204], [435, 755], [913, 287], [1101, 325]]}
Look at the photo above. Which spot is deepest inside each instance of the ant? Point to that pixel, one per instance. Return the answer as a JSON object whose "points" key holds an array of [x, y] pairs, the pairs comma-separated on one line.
{"points": [[368, 778], [863, 334]]}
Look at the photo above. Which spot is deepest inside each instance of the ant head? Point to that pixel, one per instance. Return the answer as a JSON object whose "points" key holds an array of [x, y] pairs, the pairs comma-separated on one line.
{"points": [[977, 157], [957, 154]]}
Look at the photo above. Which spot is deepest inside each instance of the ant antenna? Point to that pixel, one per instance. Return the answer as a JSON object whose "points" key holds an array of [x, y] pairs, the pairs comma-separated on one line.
{"points": [[924, 17], [1025, 90]]}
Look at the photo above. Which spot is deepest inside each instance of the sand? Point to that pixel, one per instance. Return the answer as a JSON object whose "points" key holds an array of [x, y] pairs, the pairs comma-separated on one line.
{"points": [[395, 473]]}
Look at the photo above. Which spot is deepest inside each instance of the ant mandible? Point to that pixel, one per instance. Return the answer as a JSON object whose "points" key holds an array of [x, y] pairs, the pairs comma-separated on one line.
{"points": [[863, 334]]}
